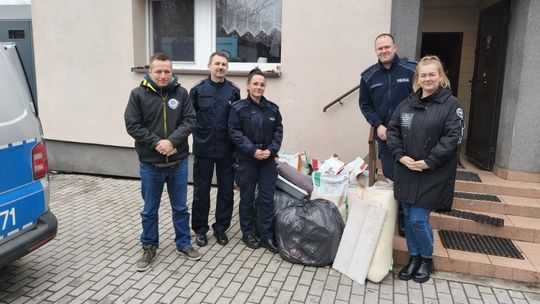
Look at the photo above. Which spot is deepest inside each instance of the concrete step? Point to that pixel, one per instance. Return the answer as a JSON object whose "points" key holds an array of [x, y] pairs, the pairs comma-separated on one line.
{"points": [[492, 184], [509, 205], [515, 227], [449, 260]]}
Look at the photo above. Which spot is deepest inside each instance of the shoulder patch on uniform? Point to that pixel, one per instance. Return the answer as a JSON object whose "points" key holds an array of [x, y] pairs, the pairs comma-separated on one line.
{"points": [[237, 105], [410, 65], [273, 104], [233, 84], [367, 73], [199, 83]]}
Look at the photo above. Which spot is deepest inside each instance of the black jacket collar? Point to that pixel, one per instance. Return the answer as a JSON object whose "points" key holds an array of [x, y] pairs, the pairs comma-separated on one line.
{"points": [[439, 96]]}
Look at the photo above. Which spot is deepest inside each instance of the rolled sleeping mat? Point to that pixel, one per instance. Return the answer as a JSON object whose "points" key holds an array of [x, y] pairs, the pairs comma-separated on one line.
{"points": [[382, 261]]}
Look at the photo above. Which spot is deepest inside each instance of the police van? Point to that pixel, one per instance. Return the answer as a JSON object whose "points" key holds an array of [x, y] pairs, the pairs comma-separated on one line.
{"points": [[26, 223]]}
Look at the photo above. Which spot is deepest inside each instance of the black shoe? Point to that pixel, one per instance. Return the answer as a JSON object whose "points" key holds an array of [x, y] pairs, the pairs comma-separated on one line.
{"points": [[407, 272], [270, 245], [201, 239], [423, 272], [251, 241], [221, 238]]}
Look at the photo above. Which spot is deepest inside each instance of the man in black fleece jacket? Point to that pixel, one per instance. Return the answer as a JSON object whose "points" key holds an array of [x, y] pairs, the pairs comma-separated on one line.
{"points": [[160, 117]]}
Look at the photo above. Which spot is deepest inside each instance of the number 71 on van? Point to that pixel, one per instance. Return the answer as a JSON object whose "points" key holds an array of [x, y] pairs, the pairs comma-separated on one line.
{"points": [[6, 215]]}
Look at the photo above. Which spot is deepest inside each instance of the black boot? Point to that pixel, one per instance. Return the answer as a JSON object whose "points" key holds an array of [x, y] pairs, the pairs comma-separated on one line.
{"points": [[407, 272], [424, 271]]}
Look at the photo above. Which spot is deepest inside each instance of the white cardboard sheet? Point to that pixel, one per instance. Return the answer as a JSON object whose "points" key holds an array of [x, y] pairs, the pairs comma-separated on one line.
{"points": [[360, 237]]}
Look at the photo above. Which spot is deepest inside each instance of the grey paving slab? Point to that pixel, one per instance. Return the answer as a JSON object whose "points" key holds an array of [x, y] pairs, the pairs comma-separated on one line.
{"points": [[489, 298], [445, 298], [471, 291], [94, 254], [257, 294], [300, 293]]}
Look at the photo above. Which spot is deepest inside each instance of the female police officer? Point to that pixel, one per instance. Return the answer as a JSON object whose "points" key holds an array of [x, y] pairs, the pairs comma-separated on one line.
{"points": [[256, 130]]}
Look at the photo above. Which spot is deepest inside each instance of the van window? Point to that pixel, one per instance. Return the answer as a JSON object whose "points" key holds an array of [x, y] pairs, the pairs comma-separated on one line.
{"points": [[12, 107]]}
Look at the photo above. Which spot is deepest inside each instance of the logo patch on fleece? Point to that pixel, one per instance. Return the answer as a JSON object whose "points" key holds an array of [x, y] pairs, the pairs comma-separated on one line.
{"points": [[173, 103]]}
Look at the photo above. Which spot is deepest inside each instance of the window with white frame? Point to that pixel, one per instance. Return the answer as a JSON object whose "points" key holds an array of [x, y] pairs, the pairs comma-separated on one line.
{"points": [[249, 31]]}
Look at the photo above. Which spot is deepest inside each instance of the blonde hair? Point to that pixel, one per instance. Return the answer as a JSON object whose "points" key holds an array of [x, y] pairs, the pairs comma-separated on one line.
{"points": [[431, 59]]}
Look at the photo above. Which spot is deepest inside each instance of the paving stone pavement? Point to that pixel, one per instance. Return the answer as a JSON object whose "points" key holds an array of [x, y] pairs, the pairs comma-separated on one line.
{"points": [[92, 260]]}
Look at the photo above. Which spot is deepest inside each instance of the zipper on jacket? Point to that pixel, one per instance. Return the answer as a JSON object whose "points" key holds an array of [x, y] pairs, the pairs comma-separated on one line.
{"points": [[389, 86], [165, 120]]}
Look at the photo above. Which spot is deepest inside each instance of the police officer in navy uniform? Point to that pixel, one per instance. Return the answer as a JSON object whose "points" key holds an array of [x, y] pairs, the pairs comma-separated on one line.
{"points": [[255, 128], [212, 99], [382, 87]]}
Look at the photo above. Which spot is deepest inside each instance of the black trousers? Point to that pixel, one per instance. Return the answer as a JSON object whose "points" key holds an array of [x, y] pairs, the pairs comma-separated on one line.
{"points": [[260, 175], [387, 159], [203, 171]]}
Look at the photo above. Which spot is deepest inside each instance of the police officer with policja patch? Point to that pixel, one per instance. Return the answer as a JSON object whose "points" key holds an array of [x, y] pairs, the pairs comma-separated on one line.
{"points": [[256, 130], [212, 146], [382, 87]]}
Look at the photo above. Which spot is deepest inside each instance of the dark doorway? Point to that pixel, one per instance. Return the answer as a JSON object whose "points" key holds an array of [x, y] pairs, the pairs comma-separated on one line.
{"points": [[447, 46], [487, 82]]}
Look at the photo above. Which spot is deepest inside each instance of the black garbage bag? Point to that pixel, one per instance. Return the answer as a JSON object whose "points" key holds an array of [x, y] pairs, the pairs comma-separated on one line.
{"points": [[309, 232], [282, 200]]}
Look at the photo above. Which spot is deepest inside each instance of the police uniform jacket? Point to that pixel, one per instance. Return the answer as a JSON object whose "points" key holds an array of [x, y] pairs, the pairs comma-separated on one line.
{"points": [[382, 89], [428, 129], [212, 103], [153, 114], [255, 126]]}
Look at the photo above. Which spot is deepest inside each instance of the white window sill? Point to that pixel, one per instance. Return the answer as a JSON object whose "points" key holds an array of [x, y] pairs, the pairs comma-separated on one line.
{"points": [[268, 71]]}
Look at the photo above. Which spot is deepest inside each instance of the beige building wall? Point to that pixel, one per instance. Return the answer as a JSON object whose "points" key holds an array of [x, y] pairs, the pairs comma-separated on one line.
{"points": [[85, 50], [83, 54], [457, 20]]}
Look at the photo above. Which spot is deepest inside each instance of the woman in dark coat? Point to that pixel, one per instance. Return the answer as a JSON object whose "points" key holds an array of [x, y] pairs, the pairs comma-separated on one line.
{"points": [[423, 135]]}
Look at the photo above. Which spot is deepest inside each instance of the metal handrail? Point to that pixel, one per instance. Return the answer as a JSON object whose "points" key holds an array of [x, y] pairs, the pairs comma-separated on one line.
{"points": [[372, 152], [341, 97], [372, 156]]}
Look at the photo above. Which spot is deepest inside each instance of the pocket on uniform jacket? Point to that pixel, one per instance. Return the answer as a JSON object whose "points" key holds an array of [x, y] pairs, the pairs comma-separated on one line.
{"points": [[270, 124], [239, 172], [246, 125], [204, 101], [205, 113], [201, 133]]}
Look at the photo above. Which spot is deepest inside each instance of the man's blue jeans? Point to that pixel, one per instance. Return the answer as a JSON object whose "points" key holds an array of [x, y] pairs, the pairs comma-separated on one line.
{"points": [[152, 182], [418, 232]]}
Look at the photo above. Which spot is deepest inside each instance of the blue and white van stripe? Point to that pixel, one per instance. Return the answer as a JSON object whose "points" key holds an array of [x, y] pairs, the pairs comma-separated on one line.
{"points": [[22, 199], [14, 231], [18, 143]]}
